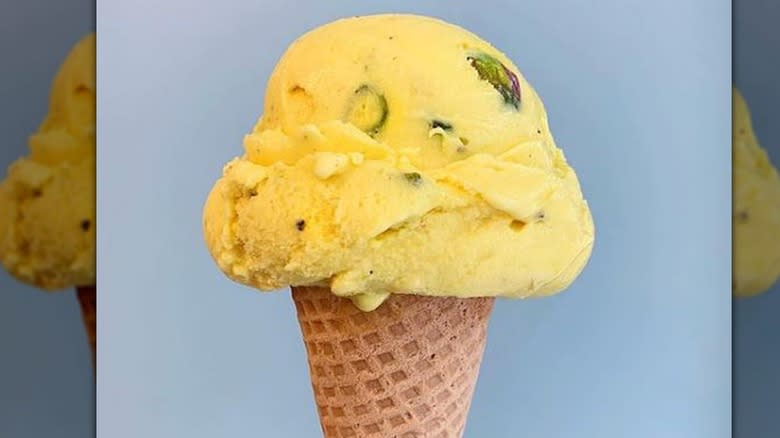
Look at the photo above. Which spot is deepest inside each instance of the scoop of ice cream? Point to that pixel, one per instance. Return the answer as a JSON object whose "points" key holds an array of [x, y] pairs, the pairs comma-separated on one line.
{"points": [[47, 200], [756, 207], [400, 154]]}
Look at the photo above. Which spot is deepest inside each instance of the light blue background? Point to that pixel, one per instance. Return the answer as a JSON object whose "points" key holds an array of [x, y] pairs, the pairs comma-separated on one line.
{"points": [[757, 320], [46, 375], [638, 95]]}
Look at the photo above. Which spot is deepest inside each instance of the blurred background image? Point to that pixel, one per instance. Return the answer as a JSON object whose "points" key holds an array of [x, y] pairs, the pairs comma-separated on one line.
{"points": [[46, 218], [756, 355]]}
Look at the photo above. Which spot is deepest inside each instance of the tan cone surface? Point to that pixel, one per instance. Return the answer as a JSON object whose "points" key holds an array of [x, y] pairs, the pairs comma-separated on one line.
{"points": [[407, 369]]}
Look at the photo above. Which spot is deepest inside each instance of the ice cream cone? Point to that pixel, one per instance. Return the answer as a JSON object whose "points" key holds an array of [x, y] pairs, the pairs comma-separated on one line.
{"points": [[88, 300], [406, 369], [366, 174]]}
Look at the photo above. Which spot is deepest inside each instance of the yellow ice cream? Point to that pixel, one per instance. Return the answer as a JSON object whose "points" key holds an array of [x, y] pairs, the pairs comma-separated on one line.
{"points": [[756, 209], [47, 200], [399, 154]]}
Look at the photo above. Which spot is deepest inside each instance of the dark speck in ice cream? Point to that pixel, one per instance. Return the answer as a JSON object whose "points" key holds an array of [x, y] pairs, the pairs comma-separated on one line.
{"points": [[414, 178], [300, 224], [441, 124]]}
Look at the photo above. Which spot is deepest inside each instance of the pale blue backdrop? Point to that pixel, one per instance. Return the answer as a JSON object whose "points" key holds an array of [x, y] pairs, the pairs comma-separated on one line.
{"points": [[46, 377], [757, 320], [638, 95]]}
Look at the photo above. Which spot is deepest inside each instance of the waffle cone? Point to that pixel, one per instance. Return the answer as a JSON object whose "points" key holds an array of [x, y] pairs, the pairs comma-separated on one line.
{"points": [[88, 300], [407, 369]]}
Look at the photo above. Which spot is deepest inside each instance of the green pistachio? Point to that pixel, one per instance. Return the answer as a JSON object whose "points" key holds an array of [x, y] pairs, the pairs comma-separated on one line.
{"points": [[501, 78], [367, 110]]}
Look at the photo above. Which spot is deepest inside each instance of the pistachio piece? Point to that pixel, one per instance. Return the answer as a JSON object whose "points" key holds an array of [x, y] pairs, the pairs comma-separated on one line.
{"points": [[501, 78], [441, 124], [367, 110], [414, 178]]}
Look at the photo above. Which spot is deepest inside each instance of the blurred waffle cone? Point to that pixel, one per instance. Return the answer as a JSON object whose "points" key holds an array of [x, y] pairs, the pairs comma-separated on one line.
{"points": [[407, 369], [88, 300]]}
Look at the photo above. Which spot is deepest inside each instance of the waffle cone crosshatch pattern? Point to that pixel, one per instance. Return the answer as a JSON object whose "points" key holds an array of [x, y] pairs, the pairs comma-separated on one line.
{"points": [[408, 368]]}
